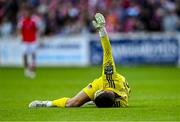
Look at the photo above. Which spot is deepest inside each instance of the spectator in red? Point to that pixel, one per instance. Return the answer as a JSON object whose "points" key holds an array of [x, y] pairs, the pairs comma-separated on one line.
{"points": [[29, 28]]}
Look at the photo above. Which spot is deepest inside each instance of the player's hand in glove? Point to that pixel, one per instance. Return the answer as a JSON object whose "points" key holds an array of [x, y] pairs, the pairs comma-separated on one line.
{"points": [[99, 21], [99, 24]]}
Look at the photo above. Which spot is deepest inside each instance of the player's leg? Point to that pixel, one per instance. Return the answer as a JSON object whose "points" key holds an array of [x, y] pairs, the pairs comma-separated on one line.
{"points": [[32, 65], [25, 59], [75, 101], [78, 100], [84, 96], [26, 65], [33, 50], [32, 60]]}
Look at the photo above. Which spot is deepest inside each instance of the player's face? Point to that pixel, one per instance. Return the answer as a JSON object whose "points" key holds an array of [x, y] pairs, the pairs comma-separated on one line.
{"points": [[27, 13]]}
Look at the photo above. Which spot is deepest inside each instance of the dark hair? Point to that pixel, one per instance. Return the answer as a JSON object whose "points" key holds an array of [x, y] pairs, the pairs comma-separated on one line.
{"points": [[104, 100]]}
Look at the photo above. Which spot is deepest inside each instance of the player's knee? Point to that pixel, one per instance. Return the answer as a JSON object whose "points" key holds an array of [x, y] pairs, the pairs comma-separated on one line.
{"points": [[73, 103]]}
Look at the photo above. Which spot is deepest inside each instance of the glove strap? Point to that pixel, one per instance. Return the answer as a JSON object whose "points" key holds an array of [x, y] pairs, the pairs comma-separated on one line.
{"points": [[102, 32]]}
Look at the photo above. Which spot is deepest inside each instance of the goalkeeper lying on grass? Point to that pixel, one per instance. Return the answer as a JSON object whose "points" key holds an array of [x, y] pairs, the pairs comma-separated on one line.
{"points": [[110, 90]]}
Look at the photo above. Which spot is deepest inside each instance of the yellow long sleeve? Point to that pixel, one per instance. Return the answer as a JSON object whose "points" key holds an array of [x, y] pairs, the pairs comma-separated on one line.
{"points": [[107, 53]]}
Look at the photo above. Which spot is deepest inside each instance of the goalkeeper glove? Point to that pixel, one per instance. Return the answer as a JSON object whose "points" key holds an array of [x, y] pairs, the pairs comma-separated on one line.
{"points": [[99, 21], [99, 24]]}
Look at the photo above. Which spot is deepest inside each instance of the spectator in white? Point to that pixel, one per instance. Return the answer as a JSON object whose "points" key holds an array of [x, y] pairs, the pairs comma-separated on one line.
{"points": [[5, 28], [170, 21]]}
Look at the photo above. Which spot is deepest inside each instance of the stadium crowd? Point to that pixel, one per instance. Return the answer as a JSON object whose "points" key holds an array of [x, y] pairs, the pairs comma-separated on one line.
{"points": [[74, 16]]}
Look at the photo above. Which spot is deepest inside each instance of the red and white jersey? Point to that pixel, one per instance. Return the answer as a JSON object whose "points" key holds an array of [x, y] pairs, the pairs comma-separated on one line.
{"points": [[29, 28]]}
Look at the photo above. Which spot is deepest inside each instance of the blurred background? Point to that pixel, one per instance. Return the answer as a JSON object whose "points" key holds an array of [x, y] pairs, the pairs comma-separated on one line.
{"points": [[60, 17], [141, 31], [145, 39]]}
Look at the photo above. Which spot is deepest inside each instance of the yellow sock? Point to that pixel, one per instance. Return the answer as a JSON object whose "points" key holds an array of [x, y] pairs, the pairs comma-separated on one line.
{"points": [[60, 102]]}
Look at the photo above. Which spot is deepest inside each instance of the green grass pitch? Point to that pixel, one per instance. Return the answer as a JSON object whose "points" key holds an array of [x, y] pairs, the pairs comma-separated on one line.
{"points": [[155, 94]]}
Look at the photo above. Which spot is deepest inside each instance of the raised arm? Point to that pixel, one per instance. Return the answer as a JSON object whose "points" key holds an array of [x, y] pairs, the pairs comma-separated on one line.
{"points": [[108, 61]]}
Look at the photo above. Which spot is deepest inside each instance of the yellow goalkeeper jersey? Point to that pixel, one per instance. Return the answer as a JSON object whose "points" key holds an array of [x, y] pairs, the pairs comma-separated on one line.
{"points": [[110, 79]]}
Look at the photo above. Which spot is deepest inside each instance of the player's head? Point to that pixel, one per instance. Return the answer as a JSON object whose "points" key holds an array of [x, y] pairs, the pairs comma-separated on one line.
{"points": [[28, 10], [104, 98]]}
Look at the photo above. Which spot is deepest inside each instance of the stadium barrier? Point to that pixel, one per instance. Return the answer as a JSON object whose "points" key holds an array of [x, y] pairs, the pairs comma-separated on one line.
{"points": [[83, 50], [51, 51], [141, 48]]}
